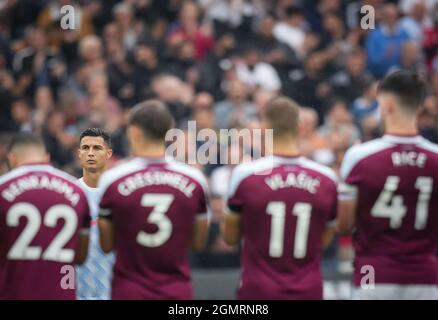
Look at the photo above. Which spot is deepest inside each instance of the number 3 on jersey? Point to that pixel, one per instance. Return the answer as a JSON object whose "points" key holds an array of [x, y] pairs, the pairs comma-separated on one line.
{"points": [[277, 209], [160, 203], [390, 206]]}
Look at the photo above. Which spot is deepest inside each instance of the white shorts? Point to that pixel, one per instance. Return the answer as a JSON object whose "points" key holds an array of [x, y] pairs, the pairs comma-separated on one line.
{"points": [[396, 292]]}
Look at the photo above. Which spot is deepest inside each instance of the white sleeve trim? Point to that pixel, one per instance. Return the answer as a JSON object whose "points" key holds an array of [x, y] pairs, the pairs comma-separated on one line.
{"points": [[359, 152], [347, 192], [113, 174], [193, 173]]}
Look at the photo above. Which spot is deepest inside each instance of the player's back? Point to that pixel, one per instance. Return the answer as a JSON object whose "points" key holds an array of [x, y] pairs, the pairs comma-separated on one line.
{"points": [[42, 211], [153, 207], [397, 208], [285, 205]]}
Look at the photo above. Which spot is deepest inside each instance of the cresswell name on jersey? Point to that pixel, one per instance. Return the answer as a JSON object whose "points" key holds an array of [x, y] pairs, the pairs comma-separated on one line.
{"points": [[145, 179]]}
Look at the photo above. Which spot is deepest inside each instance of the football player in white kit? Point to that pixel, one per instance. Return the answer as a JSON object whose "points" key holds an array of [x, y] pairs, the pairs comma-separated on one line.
{"points": [[94, 276]]}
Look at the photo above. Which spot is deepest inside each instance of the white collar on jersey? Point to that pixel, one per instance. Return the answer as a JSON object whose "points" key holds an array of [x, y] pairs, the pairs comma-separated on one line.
{"points": [[402, 139]]}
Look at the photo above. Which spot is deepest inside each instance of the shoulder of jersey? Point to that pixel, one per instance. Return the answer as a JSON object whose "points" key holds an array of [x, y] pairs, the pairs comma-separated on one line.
{"points": [[120, 170], [428, 145], [258, 166], [26, 170], [244, 170], [321, 169], [357, 153], [189, 171]]}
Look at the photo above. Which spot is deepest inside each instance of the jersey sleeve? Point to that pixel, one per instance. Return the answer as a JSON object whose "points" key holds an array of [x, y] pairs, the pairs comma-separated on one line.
{"points": [[203, 210], [334, 207], [235, 199], [104, 198], [350, 176]]}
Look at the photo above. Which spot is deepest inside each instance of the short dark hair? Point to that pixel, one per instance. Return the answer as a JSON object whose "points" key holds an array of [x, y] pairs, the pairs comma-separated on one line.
{"points": [[25, 139], [153, 118], [97, 132], [409, 88], [282, 113]]}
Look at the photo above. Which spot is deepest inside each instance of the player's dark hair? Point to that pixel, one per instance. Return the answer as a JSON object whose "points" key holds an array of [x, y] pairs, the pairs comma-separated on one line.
{"points": [[282, 113], [153, 118], [97, 132], [409, 88], [25, 139]]}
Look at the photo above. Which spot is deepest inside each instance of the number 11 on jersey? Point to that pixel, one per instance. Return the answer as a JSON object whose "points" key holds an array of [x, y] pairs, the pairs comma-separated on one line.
{"points": [[277, 209]]}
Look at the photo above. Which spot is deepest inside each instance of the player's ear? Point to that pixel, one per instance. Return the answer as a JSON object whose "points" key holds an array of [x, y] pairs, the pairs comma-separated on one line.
{"points": [[134, 133], [12, 160], [109, 154]]}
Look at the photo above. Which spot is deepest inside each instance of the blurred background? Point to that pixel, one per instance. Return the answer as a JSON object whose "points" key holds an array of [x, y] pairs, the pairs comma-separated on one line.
{"points": [[216, 62]]}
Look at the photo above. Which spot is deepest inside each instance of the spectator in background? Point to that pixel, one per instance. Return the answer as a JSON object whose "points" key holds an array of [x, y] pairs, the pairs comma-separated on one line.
{"points": [[309, 139], [124, 19], [58, 142], [261, 98], [412, 58], [415, 20], [99, 103], [291, 30], [189, 29], [334, 40], [7, 85], [182, 63], [255, 73], [233, 16], [121, 77], [428, 119], [272, 51], [366, 105], [146, 66], [31, 61], [350, 81], [91, 54], [338, 122], [176, 94], [370, 127], [384, 44], [213, 67], [236, 108], [307, 86], [22, 116], [203, 101]]}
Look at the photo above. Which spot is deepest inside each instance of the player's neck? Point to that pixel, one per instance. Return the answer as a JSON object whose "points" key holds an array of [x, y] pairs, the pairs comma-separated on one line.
{"points": [[30, 160], [91, 178], [288, 148], [402, 127], [151, 151]]}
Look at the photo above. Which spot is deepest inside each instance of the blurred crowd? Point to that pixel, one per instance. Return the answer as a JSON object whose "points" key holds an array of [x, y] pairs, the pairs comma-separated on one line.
{"points": [[213, 61]]}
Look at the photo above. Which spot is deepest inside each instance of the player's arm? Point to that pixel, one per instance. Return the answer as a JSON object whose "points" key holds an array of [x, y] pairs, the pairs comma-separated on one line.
{"points": [[231, 228], [348, 191], [200, 234], [328, 234], [82, 247], [106, 231], [346, 215], [330, 227]]}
